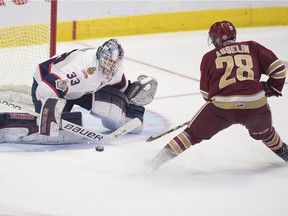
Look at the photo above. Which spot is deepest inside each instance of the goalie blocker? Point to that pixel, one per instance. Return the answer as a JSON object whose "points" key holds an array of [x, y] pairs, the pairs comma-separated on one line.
{"points": [[50, 116]]}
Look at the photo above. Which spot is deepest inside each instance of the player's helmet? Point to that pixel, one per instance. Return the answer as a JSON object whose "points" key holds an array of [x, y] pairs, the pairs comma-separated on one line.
{"points": [[222, 31], [110, 56]]}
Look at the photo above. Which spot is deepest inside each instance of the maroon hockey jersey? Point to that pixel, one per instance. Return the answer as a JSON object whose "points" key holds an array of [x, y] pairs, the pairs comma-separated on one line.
{"points": [[230, 75]]}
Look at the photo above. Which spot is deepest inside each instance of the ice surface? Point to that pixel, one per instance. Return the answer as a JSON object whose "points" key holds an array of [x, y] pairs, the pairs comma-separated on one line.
{"points": [[231, 174]]}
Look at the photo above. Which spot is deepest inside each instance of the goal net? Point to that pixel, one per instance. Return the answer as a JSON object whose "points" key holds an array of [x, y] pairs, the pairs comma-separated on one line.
{"points": [[27, 38]]}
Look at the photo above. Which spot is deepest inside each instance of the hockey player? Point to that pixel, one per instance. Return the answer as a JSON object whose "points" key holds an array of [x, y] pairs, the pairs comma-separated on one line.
{"points": [[93, 79], [230, 84]]}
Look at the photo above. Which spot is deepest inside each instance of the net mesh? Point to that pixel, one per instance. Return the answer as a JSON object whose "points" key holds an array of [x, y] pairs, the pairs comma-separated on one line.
{"points": [[24, 43]]}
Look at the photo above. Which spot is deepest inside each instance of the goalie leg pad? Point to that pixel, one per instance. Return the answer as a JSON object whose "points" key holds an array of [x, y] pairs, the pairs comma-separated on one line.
{"points": [[132, 112], [22, 127], [19, 120], [14, 126], [110, 105], [73, 117], [50, 116], [28, 121], [142, 91]]}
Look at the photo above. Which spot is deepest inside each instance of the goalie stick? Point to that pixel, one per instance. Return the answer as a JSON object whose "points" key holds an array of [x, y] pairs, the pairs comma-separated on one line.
{"points": [[167, 132], [81, 131]]}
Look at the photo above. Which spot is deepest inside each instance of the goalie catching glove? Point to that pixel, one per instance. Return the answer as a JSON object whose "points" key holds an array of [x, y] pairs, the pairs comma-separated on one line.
{"points": [[142, 91]]}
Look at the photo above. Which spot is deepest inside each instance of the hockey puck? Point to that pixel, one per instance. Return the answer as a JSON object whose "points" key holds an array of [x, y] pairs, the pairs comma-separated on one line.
{"points": [[99, 148]]}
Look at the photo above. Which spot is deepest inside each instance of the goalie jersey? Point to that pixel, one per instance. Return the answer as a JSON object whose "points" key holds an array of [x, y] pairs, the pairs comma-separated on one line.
{"points": [[73, 74]]}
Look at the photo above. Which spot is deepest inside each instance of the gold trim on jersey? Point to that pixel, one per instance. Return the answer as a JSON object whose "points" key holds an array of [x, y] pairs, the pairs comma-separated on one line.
{"points": [[240, 101], [204, 94], [280, 74], [273, 66]]}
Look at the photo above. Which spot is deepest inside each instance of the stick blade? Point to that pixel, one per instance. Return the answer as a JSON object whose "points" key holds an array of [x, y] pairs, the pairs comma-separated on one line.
{"points": [[128, 127], [151, 138]]}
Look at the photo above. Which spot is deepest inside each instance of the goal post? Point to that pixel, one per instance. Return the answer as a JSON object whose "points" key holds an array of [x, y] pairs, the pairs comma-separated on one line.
{"points": [[53, 27], [27, 38]]}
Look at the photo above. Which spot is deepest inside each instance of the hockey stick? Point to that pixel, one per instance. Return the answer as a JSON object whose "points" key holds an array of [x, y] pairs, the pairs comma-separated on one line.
{"points": [[167, 132], [79, 130]]}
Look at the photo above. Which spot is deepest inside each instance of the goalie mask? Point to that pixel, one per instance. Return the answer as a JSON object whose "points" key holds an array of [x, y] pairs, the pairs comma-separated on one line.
{"points": [[110, 56], [221, 32]]}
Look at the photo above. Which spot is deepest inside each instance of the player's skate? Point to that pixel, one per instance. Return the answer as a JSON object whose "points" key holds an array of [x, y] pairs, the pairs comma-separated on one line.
{"points": [[162, 157], [283, 152]]}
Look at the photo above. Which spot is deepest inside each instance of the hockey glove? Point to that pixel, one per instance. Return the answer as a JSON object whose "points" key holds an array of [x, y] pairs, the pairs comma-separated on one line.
{"points": [[142, 91], [270, 91]]}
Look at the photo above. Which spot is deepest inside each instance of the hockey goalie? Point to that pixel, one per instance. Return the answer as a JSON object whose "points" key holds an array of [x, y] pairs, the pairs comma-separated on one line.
{"points": [[90, 78]]}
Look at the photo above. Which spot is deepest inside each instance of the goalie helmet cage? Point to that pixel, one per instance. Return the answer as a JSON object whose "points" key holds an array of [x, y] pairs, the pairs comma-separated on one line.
{"points": [[27, 38]]}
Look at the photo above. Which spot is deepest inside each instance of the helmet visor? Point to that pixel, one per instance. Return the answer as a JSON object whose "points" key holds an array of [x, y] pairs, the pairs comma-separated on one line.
{"points": [[108, 62]]}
